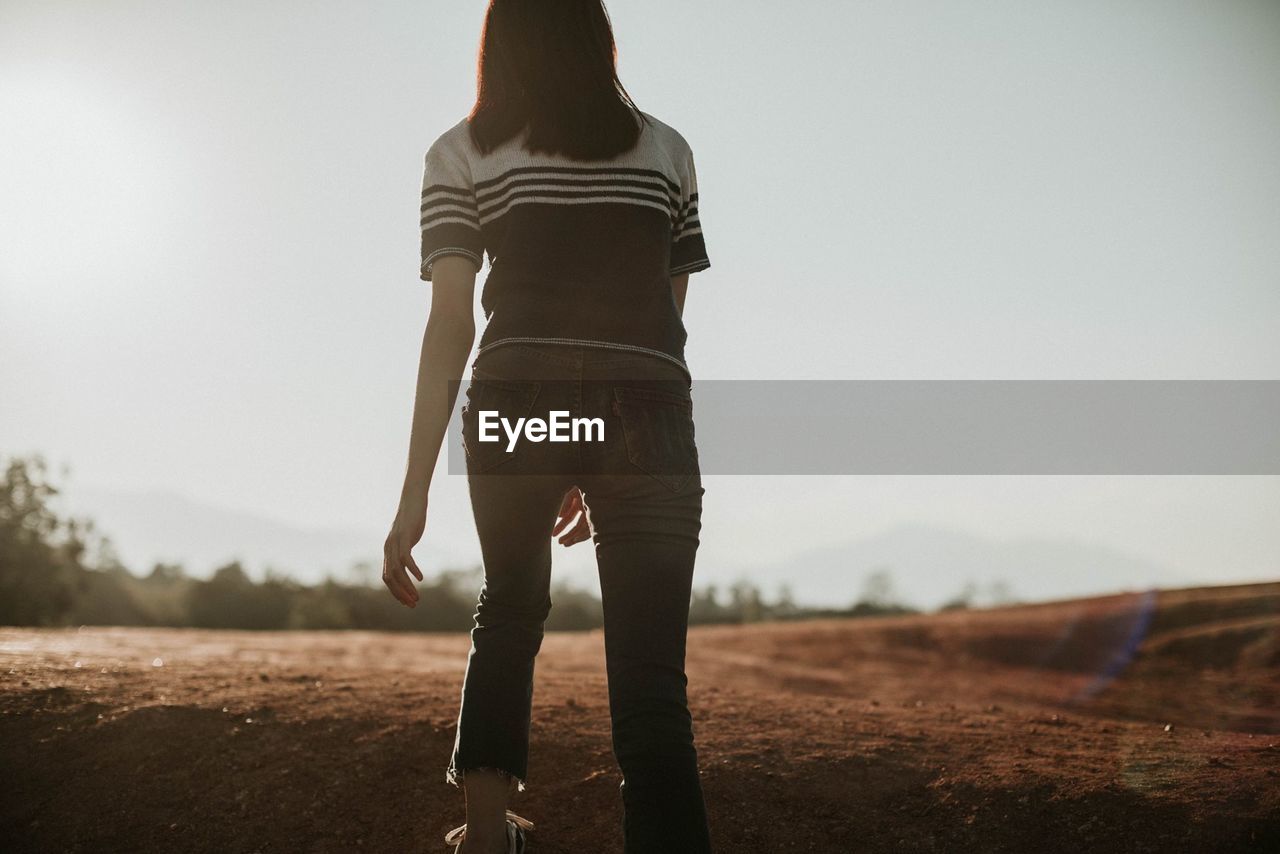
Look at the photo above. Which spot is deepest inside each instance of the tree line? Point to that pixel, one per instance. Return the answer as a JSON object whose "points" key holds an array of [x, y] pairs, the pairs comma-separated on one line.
{"points": [[60, 571]]}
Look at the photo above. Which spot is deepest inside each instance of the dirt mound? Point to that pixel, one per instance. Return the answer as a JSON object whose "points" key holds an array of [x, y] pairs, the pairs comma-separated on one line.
{"points": [[1145, 722]]}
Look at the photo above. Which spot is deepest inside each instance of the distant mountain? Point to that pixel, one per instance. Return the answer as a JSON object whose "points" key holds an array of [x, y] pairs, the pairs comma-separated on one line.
{"points": [[928, 565], [146, 527]]}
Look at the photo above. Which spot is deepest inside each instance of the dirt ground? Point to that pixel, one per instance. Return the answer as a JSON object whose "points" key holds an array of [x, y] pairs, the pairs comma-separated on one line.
{"points": [[1145, 722]]}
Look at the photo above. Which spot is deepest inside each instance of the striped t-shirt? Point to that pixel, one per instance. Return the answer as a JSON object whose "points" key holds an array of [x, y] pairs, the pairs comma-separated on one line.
{"points": [[580, 252]]}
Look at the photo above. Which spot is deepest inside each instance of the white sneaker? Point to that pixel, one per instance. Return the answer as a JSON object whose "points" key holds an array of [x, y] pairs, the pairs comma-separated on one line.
{"points": [[517, 827]]}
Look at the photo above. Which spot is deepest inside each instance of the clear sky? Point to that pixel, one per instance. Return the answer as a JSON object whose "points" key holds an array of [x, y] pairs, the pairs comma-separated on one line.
{"points": [[209, 249]]}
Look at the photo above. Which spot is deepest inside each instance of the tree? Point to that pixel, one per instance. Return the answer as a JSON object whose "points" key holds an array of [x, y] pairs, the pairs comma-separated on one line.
{"points": [[744, 598], [231, 600], [785, 604], [963, 599], [166, 573], [877, 589], [40, 569], [878, 596], [705, 607]]}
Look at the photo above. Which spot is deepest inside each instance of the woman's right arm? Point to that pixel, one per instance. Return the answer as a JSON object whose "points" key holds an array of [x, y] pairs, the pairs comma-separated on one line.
{"points": [[679, 288], [446, 343]]}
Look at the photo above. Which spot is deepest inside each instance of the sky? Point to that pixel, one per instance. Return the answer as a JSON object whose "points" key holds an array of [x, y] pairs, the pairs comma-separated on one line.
{"points": [[208, 248]]}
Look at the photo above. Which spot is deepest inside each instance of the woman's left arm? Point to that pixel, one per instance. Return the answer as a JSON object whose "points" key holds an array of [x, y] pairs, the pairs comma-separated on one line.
{"points": [[446, 343]]}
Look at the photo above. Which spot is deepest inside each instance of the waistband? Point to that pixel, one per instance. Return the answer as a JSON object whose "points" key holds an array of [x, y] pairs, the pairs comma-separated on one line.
{"points": [[572, 351]]}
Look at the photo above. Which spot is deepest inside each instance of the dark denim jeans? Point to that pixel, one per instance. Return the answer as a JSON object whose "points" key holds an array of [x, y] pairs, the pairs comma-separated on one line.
{"points": [[644, 497]]}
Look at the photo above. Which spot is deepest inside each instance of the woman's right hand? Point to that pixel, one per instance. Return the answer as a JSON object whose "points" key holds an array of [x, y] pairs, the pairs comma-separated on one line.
{"points": [[397, 553], [572, 510]]}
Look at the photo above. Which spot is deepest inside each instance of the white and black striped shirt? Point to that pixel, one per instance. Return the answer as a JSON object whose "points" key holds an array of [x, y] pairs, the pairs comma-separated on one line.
{"points": [[580, 252]]}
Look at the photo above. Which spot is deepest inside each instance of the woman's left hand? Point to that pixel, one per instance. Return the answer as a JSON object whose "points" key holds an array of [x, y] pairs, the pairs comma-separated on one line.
{"points": [[397, 553]]}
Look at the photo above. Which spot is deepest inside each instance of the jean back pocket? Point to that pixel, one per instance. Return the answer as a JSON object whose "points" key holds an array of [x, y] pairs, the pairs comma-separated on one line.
{"points": [[491, 401], [657, 426]]}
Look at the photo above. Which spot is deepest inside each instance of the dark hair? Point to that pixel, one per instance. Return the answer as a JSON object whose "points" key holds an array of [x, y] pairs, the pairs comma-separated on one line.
{"points": [[551, 66]]}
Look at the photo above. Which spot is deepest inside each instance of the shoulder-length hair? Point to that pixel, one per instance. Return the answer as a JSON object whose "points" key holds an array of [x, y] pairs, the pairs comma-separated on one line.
{"points": [[551, 66]]}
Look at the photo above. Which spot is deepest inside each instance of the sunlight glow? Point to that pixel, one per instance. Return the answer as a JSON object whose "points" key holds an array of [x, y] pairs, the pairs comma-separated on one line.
{"points": [[86, 192]]}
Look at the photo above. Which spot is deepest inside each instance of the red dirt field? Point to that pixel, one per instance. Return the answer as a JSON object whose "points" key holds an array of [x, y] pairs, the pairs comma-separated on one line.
{"points": [[1145, 722]]}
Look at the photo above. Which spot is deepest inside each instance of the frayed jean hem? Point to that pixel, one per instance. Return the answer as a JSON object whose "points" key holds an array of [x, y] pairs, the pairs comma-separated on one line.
{"points": [[456, 776]]}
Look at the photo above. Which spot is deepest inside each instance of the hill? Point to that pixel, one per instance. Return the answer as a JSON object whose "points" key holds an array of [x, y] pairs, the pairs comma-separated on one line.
{"points": [[1132, 723]]}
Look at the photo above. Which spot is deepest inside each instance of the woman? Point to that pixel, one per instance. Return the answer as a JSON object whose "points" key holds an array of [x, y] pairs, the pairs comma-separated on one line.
{"points": [[588, 210]]}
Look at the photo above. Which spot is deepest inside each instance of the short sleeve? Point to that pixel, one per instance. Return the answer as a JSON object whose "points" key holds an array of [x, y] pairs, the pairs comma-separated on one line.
{"points": [[450, 218], [688, 249]]}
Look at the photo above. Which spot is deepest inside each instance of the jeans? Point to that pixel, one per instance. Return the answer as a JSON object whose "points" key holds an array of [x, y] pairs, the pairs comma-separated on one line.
{"points": [[643, 494]]}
